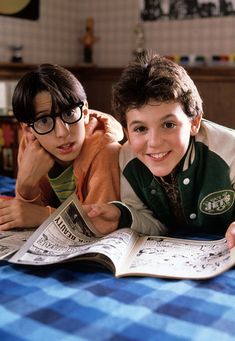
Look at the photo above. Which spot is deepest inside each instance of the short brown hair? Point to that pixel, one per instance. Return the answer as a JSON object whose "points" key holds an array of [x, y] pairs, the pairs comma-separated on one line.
{"points": [[158, 78]]}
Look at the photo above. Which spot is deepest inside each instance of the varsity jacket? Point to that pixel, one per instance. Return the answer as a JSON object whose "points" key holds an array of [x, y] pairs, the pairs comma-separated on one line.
{"points": [[96, 169], [206, 182]]}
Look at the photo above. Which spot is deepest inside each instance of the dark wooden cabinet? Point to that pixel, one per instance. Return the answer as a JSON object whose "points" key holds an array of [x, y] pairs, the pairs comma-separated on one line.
{"points": [[9, 141], [13, 71], [98, 83], [217, 89]]}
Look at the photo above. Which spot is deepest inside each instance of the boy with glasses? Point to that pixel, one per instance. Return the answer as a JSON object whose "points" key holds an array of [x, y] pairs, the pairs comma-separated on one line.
{"points": [[65, 147]]}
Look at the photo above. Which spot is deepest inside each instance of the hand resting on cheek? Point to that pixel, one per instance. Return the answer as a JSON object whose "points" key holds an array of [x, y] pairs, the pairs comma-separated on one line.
{"points": [[35, 163]]}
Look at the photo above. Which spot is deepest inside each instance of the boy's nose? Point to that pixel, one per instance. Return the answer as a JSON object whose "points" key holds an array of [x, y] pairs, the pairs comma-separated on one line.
{"points": [[154, 138], [61, 128]]}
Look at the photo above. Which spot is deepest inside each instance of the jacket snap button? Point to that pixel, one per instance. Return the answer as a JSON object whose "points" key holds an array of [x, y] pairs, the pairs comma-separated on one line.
{"points": [[153, 191], [192, 216], [186, 181]]}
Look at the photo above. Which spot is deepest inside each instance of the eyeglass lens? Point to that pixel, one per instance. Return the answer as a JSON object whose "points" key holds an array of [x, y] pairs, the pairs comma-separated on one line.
{"points": [[45, 124]]}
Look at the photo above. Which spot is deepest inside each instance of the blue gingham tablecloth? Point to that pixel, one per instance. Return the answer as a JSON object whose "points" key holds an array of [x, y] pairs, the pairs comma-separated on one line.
{"points": [[7, 186], [74, 302]]}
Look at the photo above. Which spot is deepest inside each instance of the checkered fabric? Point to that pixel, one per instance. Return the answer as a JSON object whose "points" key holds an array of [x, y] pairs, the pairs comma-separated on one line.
{"points": [[73, 302]]}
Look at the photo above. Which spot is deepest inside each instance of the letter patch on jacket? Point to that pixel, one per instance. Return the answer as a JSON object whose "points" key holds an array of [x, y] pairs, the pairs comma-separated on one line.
{"points": [[217, 202]]}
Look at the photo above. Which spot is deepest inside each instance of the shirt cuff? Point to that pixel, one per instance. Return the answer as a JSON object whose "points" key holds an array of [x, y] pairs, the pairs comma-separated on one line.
{"points": [[126, 216], [19, 196]]}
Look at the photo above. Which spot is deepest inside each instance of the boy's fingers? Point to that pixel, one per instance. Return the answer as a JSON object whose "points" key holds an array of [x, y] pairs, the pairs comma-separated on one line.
{"points": [[90, 126], [230, 236], [91, 210], [86, 208]]}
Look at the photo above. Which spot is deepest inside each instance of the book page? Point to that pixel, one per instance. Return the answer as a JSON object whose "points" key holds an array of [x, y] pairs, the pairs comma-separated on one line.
{"points": [[67, 234], [115, 246], [56, 238], [12, 240], [178, 258]]}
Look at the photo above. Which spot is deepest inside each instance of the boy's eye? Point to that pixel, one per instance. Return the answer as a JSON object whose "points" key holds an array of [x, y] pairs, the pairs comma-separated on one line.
{"points": [[169, 125], [43, 120], [70, 115], [43, 123], [140, 129]]}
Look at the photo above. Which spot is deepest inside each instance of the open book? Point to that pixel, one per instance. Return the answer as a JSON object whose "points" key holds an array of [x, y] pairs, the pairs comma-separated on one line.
{"points": [[69, 235]]}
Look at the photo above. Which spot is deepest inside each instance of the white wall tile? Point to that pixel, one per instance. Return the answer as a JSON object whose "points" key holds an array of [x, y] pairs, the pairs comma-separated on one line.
{"points": [[55, 37]]}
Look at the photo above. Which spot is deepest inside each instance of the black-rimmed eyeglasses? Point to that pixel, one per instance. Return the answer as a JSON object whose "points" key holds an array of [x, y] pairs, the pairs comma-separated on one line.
{"points": [[46, 123]]}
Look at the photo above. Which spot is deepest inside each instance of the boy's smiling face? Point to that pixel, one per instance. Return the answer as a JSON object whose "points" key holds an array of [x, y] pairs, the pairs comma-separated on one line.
{"points": [[159, 134], [65, 141]]}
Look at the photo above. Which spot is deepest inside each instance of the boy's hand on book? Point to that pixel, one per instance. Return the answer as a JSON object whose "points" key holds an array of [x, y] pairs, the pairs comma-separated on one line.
{"points": [[230, 235], [105, 217], [16, 213]]}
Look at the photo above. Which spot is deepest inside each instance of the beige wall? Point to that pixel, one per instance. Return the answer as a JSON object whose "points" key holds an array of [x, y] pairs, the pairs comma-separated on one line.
{"points": [[52, 38], [55, 36]]}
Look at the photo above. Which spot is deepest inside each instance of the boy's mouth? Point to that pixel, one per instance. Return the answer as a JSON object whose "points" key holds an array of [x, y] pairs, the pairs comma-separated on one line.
{"points": [[158, 156], [66, 147]]}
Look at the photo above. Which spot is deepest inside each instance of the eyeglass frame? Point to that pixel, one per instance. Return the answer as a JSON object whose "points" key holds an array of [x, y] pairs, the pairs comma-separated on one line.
{"points": [[54, 115]]}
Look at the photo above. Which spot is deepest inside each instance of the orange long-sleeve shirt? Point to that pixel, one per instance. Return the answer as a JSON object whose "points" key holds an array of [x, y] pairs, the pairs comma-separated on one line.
{"points": [[96, 168]]}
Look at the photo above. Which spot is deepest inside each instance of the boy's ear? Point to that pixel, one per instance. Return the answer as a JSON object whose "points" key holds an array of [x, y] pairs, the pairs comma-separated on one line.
{"points": [[85, 111], [27, 132], [126, 133], [195, 125]]}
